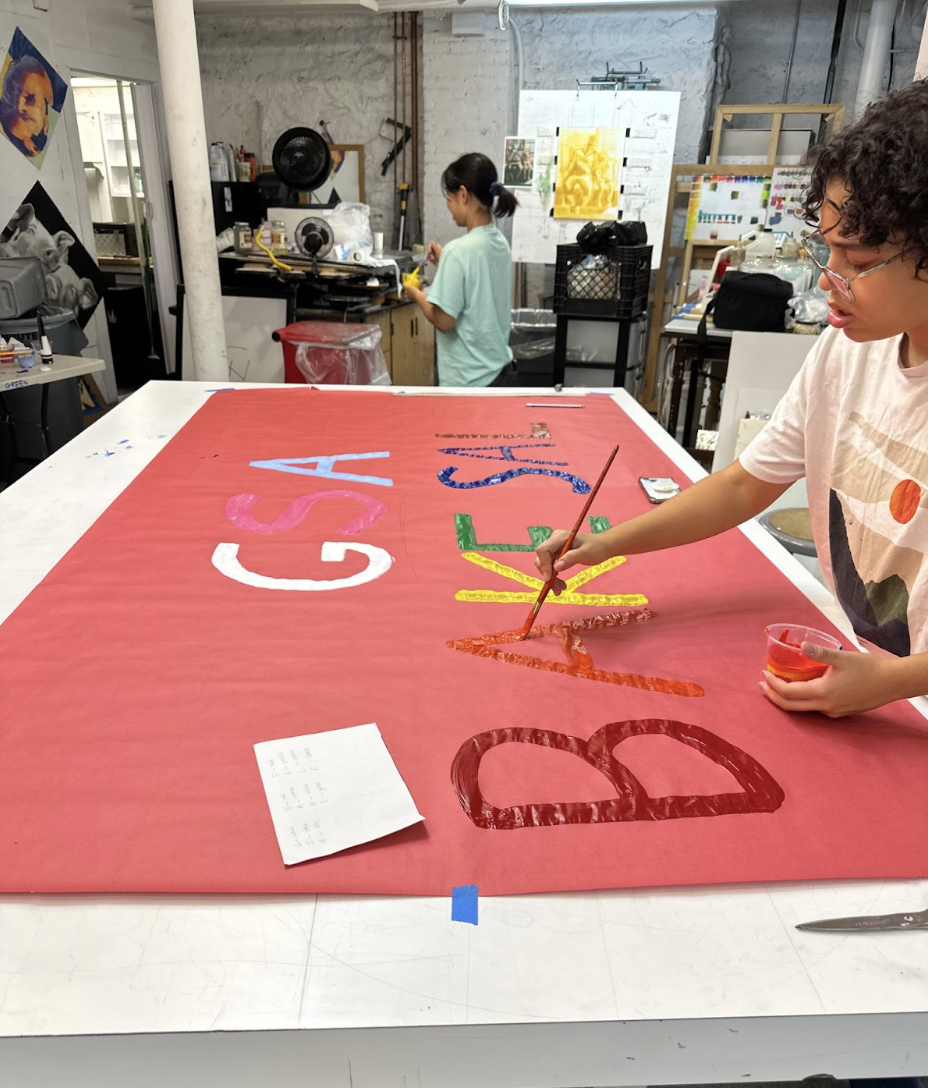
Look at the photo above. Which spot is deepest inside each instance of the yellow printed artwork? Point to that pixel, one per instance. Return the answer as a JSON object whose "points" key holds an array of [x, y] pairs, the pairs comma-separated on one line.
{"points": [[588, 164]]}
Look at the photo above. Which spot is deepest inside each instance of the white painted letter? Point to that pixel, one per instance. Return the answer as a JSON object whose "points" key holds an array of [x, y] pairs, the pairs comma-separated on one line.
{"points": [[225, 560]]}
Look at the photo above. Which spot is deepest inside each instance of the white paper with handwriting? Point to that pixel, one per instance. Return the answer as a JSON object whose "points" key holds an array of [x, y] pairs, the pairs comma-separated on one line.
{"points": [[329, 791]]}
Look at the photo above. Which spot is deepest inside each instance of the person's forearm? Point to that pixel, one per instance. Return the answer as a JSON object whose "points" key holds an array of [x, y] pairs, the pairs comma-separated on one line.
{"points": [[717, 503], [433, 314], [906, 677]]}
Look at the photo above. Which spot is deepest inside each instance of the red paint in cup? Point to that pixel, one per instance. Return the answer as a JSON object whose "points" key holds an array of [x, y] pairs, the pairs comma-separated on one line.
{"points": [[785, 658]]}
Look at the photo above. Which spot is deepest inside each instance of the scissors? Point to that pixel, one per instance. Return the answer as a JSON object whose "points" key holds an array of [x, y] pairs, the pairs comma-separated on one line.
{"points": [[873, 923]]}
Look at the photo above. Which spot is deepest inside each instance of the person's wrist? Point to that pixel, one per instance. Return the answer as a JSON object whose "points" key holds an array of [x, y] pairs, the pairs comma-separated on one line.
{"points": [[903, 677]]}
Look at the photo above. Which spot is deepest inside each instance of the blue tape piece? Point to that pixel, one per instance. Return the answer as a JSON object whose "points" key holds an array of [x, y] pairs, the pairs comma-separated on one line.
{"points": [[222, 389], [464, 904]]}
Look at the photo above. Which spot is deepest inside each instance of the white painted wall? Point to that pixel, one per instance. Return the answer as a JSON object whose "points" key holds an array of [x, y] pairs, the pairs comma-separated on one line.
{"points": [[263, 76], [466, 103], [469, 81], [97, 36]]}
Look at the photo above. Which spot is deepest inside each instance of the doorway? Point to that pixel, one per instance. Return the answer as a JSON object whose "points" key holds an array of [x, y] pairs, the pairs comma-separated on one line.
{"points": [[124, 168]]}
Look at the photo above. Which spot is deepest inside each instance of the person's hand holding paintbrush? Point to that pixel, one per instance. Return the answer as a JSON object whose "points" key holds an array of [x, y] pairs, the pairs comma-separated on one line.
{"points": [[588, 549], [564, 544]]}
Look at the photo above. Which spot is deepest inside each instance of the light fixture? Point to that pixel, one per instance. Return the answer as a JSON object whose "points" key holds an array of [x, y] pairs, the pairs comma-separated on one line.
{"points": [[606, 3]]}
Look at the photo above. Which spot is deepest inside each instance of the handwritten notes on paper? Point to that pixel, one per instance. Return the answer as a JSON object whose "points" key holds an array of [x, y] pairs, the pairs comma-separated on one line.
{"points": [[330, 791]]}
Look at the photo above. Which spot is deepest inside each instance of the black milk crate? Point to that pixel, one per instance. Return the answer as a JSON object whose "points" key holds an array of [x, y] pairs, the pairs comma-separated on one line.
{"points": [[616, 284]]}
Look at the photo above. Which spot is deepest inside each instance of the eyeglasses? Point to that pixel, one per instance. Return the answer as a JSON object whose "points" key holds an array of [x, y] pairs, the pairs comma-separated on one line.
{"points": [[842, 283]]}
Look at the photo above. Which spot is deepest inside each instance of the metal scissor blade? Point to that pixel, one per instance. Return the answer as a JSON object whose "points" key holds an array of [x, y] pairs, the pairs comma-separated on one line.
{"points": [[869, 923]]}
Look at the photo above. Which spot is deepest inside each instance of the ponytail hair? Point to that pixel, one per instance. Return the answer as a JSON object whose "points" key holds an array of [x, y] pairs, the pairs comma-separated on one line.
{"points": [[477, 174]]}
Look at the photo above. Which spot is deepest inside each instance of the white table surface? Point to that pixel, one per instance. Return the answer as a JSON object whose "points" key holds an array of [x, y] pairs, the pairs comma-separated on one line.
{"points": [[680, 326], [64, 366], [604, 988]]}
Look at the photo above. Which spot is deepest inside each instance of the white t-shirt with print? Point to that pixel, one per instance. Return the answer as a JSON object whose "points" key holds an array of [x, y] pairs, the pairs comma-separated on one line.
{"points": [[855, 424]]}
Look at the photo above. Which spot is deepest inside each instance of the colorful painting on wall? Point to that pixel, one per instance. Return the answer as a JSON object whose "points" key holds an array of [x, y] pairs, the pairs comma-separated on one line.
{"points": [[32, 96], [784, 209], [519, 163], [588, 166], [724, 207]]}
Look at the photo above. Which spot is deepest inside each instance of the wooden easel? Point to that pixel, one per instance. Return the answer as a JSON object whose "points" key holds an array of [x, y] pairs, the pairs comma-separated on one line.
{"points": [[681, 184]]}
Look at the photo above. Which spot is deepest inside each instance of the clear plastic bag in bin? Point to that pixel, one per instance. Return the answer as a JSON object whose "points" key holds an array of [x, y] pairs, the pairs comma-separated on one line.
{"points": [[333, 353]]}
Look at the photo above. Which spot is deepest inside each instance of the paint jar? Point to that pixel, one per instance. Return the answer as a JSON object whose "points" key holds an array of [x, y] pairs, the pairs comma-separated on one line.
{"points": [[243, 238], [785, 658], [279, 238]]}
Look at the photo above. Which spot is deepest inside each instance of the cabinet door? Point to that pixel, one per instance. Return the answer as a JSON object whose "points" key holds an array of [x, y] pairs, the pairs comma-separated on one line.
{"points": [[404, 345], [425, 350], [413, 348]]}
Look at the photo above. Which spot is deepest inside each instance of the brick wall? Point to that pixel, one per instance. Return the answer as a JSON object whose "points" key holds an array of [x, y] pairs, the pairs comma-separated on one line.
{"points": [[263, 76]]}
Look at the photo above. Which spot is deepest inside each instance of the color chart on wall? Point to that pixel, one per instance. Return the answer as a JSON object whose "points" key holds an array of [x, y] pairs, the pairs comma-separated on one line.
{"points": [[297, 561]]}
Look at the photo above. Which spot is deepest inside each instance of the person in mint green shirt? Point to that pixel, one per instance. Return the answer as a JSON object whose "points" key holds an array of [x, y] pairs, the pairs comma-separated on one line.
{"points": [[470, 299]]}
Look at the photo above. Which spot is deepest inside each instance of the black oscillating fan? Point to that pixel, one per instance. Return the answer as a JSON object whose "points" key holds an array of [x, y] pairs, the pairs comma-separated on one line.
{"points": [[314, 238], [302, 162]]}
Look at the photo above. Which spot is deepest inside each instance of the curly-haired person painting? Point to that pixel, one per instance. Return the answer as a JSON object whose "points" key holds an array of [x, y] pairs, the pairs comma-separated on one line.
{"points": [[852, 423]]}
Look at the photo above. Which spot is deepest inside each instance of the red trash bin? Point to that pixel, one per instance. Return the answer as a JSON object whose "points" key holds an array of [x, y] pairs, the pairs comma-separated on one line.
{"points": [[333, 353]]}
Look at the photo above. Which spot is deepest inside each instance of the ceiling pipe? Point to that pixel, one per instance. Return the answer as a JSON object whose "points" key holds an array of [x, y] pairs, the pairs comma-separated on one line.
{"points": [[792, 52], [921, 66], [833, 63], [876, 54]]}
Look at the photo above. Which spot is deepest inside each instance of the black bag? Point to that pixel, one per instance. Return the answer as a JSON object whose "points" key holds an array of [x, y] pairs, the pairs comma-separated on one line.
{"points": [[595, 238], [750, 302]]}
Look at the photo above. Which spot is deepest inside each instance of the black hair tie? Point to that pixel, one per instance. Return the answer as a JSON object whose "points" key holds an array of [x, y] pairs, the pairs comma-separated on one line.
{"points": [[495, 189]]}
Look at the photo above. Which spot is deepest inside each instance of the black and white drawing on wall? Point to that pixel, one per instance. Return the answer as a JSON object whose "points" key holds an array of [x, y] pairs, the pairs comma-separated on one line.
{"points": [[72, 277]]}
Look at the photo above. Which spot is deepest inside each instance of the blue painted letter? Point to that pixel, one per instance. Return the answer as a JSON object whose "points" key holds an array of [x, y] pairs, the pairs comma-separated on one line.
{"points": [[581, 487], [325, 466]]}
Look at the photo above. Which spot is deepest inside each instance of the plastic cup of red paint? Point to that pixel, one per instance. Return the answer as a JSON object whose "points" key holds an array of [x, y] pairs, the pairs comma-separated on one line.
{"points": [[785, 658]]}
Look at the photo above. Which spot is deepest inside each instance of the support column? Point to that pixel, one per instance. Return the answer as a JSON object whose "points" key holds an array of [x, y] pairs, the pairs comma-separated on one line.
{"points": [[921, 67], [175, 28], [876, 54]]}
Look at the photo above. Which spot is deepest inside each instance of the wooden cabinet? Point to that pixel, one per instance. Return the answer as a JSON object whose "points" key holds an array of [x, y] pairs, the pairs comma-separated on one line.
{"points": [[408, 345]]}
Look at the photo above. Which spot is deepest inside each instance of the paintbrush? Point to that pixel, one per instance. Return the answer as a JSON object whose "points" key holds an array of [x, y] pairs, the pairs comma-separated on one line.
{"points": [[568, 544]]}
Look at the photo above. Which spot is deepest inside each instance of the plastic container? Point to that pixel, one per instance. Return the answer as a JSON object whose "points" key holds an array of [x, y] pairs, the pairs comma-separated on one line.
{"points": [[531, 337], [764, 247], [64, 334], [22, 286], [785, 658], [333, 353], [613, 284], [794, 271], [218, 163]]}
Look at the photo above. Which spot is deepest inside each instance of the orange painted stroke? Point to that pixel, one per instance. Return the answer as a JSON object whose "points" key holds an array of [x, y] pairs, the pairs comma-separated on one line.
{"points": [[579, 662]]}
